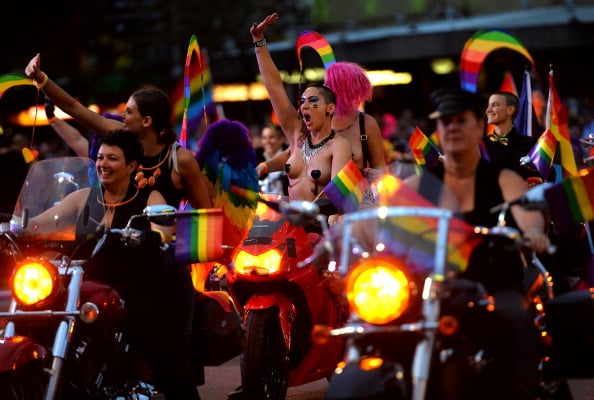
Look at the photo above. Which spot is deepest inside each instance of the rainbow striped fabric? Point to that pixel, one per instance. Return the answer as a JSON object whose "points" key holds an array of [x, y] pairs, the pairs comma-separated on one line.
{"points": [[346, 189], [478, 47], [8, 81], [425, 153], [317, 42], [199, 235], [543, 153], [557, 122], [571, 201]]}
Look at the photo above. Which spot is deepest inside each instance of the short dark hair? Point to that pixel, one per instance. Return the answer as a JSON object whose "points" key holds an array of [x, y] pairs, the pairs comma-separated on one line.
{"points": [[510, 100], [126, 141], [328, 94]]}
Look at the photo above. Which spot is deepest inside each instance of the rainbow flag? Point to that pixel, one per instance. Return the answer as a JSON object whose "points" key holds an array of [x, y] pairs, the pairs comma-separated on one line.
{"points": [[425, 153], [557, 122], [478, 47], [414, 237], [346, 189], [571, 201], [543, 153], [317, 42], [199, 235], [192, 96], [8, 81]]}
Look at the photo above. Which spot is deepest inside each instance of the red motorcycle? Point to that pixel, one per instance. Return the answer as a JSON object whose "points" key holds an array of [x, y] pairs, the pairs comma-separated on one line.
{"points": [[282, 300]]}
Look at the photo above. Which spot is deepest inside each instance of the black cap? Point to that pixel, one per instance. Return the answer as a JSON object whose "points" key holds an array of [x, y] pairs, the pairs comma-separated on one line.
{"points": [[455, 100]]}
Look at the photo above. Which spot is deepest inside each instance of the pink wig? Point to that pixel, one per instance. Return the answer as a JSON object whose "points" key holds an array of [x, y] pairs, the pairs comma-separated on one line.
{"points": [[351, 85]]}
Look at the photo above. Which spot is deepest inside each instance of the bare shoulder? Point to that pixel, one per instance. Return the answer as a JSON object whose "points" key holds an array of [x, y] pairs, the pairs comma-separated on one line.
{"points": [[185, 155]]}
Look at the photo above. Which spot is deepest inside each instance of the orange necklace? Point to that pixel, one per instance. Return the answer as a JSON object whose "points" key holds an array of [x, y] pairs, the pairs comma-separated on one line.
{"points": [[110, 207], [140, 179]]}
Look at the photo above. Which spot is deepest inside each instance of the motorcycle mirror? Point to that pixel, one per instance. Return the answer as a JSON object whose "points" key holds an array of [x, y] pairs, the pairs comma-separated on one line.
{"points": [[66, 177], [160, 214]]}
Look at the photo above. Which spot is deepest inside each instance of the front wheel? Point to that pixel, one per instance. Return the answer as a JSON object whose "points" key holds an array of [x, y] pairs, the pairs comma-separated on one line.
{"points": [[265, 362], [26, 383]]}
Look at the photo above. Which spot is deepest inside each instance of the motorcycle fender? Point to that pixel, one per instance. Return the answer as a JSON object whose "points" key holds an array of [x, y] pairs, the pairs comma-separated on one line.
{"points": [[286, 308], [19, 350]]}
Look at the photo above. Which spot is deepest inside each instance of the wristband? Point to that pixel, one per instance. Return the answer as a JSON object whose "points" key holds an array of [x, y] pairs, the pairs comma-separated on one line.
{"points": [[51, 119], [260, 43], [43, 81]]}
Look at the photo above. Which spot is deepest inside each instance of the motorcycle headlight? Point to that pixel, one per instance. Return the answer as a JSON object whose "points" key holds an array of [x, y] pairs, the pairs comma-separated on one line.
{"points": [[262, 264], [378, 290], [33, 281]]}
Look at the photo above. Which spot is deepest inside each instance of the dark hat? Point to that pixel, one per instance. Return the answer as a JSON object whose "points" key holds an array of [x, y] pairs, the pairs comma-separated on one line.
{"points": [[454, 101]]}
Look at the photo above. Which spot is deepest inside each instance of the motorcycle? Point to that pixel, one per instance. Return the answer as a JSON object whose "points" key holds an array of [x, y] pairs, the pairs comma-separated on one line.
{"points": [[282, 299], [417, 327], [65, 333]]}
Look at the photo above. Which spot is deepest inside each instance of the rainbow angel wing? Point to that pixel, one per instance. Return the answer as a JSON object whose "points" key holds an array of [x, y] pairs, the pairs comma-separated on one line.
{"points": [[228, 161]]}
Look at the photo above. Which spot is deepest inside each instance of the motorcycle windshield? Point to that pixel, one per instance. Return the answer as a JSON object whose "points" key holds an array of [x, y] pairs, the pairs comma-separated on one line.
{"points": [[59, 201], [406, 225]]}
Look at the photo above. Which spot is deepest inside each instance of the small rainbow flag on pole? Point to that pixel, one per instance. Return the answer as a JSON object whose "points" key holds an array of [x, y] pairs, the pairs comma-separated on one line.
{"points": [[346, 189], [199, 235], [317, 42], [8, 81], [571, 201], [557, 122], [425, 153], [543, 153]]}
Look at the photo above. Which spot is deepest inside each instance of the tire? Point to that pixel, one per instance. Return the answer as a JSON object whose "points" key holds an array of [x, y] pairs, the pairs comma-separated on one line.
{"points": [[265, 362], [26, 383]]}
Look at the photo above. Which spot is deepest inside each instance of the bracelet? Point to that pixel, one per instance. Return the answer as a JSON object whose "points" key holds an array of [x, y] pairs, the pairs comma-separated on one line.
{"points": [[265, 166], [260, 43], [43, 81]]}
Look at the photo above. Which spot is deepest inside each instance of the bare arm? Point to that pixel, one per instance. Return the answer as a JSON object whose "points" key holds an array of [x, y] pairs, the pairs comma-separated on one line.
{"points": [[532, 223], [72, 136], [287, 113], [193, 182], [67, 103], [276, 163], [156, 198]]}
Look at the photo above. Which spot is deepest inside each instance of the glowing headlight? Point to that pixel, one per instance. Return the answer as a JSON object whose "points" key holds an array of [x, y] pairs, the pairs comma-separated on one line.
{"points": [[261, 264], [33, 281], [378, 290]]}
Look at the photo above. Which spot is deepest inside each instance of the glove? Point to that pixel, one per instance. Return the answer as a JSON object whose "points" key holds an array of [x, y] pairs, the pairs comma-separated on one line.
{"points": [[49, 109]]}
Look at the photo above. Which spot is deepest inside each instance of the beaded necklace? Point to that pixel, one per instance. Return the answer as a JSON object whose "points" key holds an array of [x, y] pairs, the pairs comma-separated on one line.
{"points": [[141, 181], [309, 150]]}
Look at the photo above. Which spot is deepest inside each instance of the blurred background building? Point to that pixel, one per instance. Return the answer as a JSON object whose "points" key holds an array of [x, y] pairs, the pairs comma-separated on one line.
{"points": [[100, 50]]}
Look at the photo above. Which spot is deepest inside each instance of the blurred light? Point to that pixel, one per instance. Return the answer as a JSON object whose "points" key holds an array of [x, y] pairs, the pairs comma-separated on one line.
{"points": [[239, 92], [387, 77], [442, 66]]}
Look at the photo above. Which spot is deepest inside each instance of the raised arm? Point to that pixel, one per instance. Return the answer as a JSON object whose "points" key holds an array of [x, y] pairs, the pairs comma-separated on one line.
{"points": [[286, 112], [68, 104]]}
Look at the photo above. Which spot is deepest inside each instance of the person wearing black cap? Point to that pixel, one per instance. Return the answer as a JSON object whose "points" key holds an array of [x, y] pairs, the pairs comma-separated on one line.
{"points": [[478, 186], [505, 145]]}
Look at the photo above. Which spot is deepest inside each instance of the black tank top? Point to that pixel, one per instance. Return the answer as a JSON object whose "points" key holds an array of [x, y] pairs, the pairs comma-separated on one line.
{"points": [[487, 193], [163, 183]]}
